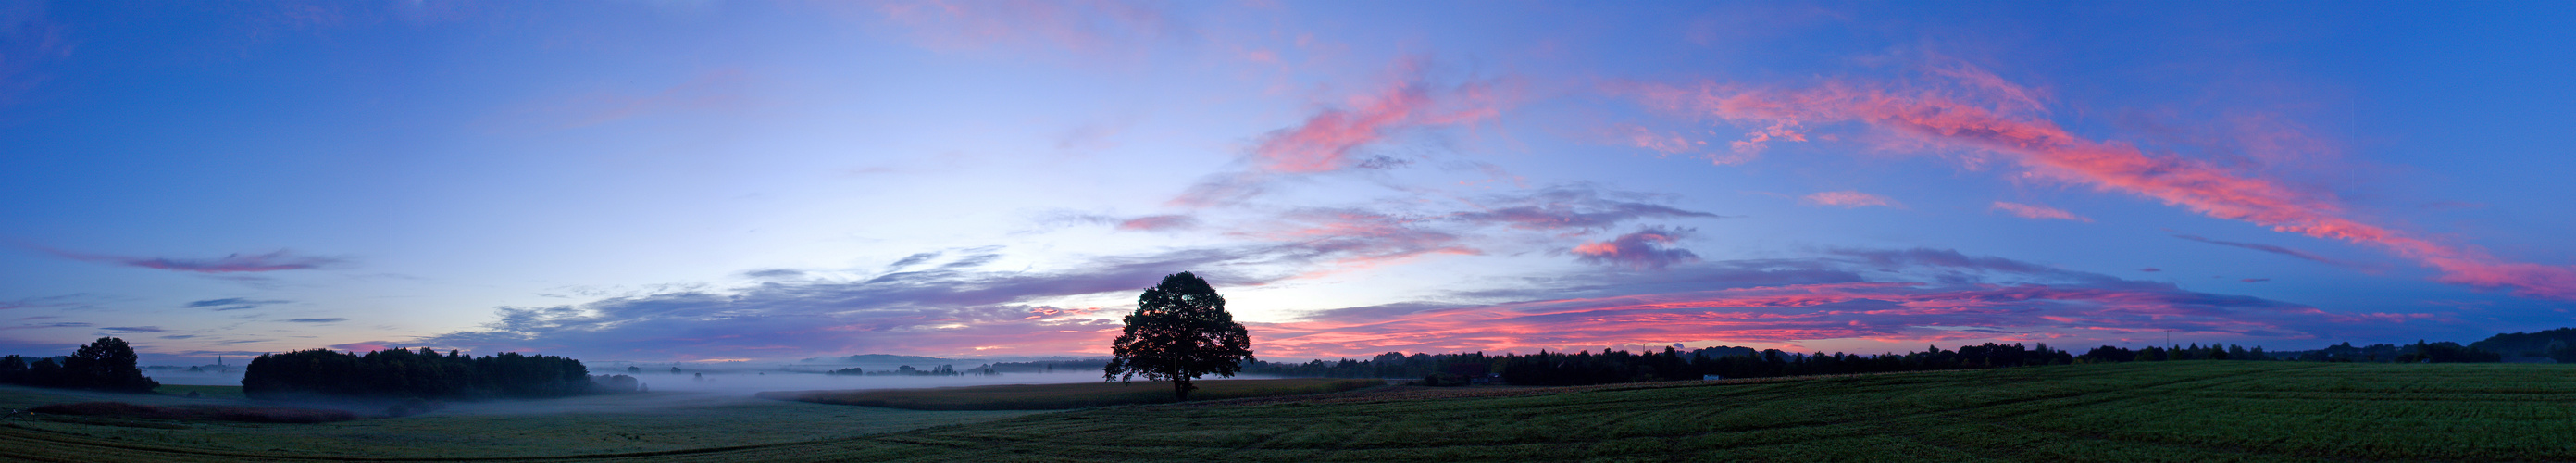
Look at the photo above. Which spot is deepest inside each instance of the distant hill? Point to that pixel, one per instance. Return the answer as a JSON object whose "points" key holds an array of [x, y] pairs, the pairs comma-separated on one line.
{"points": [[2528, 344], [880, 358]]}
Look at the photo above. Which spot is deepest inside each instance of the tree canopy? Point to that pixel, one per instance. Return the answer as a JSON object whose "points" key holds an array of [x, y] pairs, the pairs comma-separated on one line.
{"points": [[106, 365], [1180, 331]]}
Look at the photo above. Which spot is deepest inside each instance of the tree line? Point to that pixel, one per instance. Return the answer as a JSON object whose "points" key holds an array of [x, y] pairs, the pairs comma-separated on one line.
{"points": [[2419, 352], [1618, 366], [104, 365], [422, 374], [908, 370]]}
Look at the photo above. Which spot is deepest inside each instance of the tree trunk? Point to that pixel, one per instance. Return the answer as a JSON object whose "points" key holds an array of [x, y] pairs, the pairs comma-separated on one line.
{"points": [[1181, 389]]}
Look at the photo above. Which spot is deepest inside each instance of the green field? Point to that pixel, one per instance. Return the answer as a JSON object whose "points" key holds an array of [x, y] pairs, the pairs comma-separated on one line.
{"points": [[581, 425], [2156, 411], [1068, 395]]}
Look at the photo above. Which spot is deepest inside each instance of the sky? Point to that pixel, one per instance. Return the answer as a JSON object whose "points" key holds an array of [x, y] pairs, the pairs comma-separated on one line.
{"points": [[768, 181]]}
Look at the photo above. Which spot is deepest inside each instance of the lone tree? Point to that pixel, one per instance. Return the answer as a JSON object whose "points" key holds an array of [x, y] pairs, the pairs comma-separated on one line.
{"points": [[106, 365], [1180, 331]]}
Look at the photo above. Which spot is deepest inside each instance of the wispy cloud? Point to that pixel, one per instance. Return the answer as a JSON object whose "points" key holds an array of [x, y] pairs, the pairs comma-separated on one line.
{"points": [[1649, 248], [774, 273], [31, 326], [1345, 238], [1893, 259], [1568, 208], [2033, 211], [230, 303], [2270, 249], [28, 38], [316, 320], [1848, 199], [1159, 223], [1659, 142], [1963, 109], [914, 259], [234, 263]]}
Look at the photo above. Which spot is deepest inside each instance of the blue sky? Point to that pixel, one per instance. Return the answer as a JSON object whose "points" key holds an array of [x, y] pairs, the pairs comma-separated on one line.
{"points": [[658, 181]]}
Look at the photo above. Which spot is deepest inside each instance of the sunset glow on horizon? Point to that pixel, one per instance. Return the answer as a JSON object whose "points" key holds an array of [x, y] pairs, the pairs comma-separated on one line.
{"points": [[771, 181]]}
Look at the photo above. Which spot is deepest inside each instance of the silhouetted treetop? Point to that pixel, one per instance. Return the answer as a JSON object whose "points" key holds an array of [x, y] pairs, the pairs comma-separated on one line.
{"points": [[1180, 331]]}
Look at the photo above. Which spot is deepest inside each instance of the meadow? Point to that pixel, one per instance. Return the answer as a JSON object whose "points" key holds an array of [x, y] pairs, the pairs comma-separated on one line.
{"points": [[2146, 411], [626, 423], [1069, 395]]}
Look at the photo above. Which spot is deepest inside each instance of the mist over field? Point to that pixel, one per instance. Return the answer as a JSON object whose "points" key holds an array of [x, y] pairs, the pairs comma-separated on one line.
{"points": [[188, 378], [747, 382]]}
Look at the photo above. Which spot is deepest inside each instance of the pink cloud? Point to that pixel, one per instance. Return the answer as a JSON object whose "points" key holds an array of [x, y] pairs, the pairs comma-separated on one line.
{"points": [[1326, 140], [1335, 136], [1658, 142], [1966, 111], [1849, 199], [233, 263], [1158, 223], [1756, 141], [2030, 211]]}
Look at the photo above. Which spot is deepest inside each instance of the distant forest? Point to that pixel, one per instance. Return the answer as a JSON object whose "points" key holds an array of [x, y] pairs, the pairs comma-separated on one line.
{"points": [[2558, 344], [908, 370], [1617, 366], [422, 374], [1049, 366]]}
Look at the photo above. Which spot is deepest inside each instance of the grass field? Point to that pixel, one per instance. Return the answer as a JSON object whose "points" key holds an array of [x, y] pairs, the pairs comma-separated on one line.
{"points": [[1068, 396], [2179, 411], [581, 425]]}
